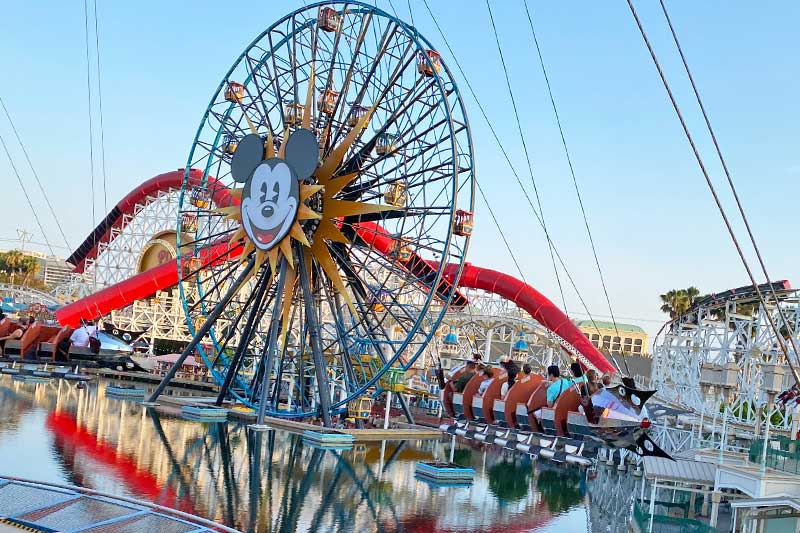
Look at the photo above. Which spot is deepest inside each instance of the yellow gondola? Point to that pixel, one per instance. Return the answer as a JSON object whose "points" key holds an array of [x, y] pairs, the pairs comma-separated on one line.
{"points": [[359, 408], [356, 113], [234, 92], [396, 193], [229, 144], [200, 198], [386, 144]]}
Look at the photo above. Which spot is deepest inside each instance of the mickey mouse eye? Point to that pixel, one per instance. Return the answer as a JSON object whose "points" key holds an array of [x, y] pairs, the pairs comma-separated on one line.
{"points": [[249, 154]]}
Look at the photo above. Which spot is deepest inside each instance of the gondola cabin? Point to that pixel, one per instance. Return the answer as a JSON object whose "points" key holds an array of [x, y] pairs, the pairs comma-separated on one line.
{"points": [[200, 198], [328, 19], [402, 250], [229, 144], [190, 266], [426, 69], [188, 223], [293, 113], [357, 112], [234, 92], [396, 193], [327, 101], [394, 380], [386, 144], [463, 225], [359, 408], [380, 301]]}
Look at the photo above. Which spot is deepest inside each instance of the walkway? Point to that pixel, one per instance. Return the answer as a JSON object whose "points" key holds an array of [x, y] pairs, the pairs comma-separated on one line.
{"points": [[38, 507]]}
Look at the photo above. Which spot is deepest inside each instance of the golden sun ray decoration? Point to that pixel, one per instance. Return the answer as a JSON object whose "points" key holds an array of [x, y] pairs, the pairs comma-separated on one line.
{"points": [[326, 183]]}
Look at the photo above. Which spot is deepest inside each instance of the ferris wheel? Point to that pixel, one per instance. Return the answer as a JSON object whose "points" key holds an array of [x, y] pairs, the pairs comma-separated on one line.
{"points": [[337, 187]]}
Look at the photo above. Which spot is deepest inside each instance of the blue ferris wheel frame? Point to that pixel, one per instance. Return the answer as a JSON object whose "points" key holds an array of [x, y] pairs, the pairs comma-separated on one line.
{"points": [[422, 44]]}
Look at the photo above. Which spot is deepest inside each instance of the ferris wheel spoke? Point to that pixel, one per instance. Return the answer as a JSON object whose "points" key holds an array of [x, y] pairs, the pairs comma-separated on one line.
{"points": [[385, 39], [401, 67], [256, 310]]}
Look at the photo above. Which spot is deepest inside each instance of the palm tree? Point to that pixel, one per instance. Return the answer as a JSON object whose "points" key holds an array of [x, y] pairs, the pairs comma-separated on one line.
{"points": [[675, 302]]}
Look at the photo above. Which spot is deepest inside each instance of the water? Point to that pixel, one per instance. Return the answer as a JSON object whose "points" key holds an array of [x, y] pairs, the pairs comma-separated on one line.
{"points": [[274, 482]]}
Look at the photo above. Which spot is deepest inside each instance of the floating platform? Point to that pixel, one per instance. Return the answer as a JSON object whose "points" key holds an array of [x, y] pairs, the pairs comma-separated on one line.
{"points": [[328, 440], [32, 506], [35, 370], [204, 414], [26, 378], [444, 474], [124, 392]]}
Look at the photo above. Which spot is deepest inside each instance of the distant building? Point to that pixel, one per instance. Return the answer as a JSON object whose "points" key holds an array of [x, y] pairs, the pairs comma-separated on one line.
{"points": [[53, 270], [625, 339]]}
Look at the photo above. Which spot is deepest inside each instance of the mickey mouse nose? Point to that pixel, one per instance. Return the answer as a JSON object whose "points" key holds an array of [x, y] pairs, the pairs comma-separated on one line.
{"points": [[267, 211]]}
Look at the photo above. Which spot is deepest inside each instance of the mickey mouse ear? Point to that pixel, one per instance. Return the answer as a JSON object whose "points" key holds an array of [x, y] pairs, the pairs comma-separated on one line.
{"points": [[302, 152], [248, 155]]}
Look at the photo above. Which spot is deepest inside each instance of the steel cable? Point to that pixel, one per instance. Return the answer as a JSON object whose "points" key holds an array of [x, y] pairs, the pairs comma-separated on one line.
{"points": [[508, 160], [35, 174], [727, 174], [571, 168], [713, 191], [27, 197], [527, 155]]}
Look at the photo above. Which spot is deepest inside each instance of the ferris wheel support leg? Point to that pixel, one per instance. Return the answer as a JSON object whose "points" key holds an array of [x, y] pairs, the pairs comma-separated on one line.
{"points": [[275, 322], [212, 317], [244, 341], [316, 346]]}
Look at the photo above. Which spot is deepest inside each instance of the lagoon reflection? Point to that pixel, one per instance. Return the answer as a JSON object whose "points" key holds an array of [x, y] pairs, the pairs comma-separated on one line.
{"points": [[274, 481]]}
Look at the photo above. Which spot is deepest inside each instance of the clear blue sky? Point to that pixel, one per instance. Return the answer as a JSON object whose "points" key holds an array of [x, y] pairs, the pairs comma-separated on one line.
{"points": [[652, 217]]}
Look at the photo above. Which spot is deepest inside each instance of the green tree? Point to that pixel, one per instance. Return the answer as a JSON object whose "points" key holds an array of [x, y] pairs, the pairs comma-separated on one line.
{"points": [[677, 301], [15, 262]]}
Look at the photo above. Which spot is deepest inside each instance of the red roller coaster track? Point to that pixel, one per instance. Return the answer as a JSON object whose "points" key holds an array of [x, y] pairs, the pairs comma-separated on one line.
{"points": [[166, 275]]}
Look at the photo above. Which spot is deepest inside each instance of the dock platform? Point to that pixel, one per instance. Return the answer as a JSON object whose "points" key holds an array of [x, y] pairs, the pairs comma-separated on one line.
{"points": [[40, 507]]}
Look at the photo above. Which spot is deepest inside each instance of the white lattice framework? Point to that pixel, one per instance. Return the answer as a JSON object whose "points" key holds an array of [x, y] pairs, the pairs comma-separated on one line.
{"points": [[118, 257], [491, 325], [27, 295], [719, 335]]}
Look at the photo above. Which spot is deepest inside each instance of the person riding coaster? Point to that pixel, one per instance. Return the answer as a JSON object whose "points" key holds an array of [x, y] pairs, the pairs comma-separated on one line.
{"points": [[581, 408]]}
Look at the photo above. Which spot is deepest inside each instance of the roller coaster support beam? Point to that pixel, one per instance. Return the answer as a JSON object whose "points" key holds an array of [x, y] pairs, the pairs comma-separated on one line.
{"points": [[203, 331]]}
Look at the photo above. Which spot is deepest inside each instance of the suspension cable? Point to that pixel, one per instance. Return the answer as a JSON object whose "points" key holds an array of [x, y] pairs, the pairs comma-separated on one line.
{"points": [[527, 155], [713, 191], [483, 195], [571, 168], [27, 197], [508, 160], [100, 110], [728, 175], [35, 174], [89, 94]]}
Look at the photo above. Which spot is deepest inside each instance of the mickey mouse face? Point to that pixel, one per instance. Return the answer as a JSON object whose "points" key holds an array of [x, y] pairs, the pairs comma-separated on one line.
{"points": [[271, 194]]}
